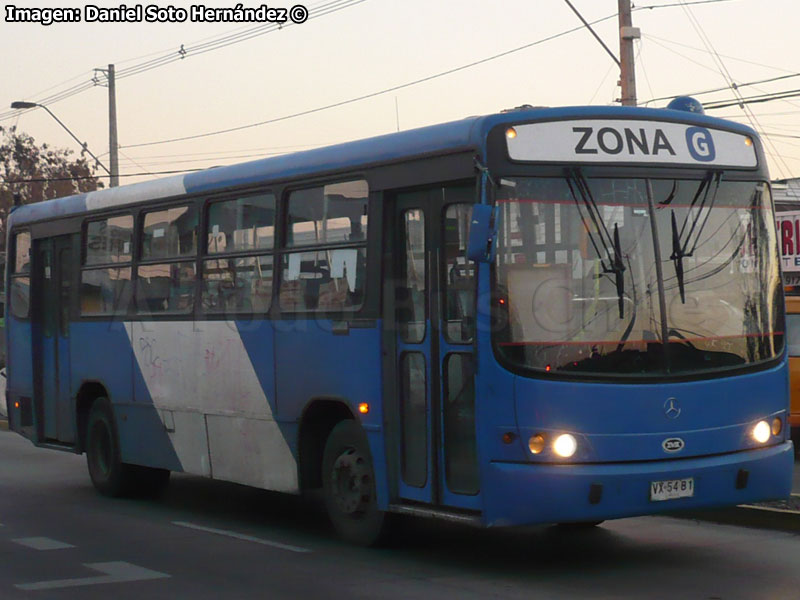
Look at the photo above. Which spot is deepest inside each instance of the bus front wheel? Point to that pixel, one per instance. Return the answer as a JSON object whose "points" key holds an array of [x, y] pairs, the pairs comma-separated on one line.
{"points": [[348, 480]]}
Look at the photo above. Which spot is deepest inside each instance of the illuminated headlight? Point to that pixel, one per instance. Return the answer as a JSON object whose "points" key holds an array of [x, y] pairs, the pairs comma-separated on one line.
{"points": [[565, 445], [761, 432]]}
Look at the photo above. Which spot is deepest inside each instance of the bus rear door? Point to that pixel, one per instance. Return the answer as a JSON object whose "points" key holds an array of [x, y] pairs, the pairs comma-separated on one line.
{"points": [[53, 277]]}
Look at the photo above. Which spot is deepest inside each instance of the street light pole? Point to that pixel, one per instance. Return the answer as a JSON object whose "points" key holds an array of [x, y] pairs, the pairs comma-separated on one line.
{"points": [[83, 145]]}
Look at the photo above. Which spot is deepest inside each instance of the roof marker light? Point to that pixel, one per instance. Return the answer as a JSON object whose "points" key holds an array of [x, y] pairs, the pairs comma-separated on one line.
{"points": [[686, 104]]}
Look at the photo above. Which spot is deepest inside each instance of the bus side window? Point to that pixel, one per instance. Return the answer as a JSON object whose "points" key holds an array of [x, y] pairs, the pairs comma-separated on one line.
{"points": [[106, 283], [20, 285], [325, 278], [234, 284], [166, 287]]}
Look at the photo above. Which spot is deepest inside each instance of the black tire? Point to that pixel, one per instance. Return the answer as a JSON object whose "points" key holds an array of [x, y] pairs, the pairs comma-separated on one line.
{"points": [[348, 480], [579, 525], [110, 476], [149, 482]]}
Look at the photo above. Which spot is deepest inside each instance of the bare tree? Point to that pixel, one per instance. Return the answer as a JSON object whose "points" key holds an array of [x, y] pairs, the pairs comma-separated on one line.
{"points": [[33, 173]]}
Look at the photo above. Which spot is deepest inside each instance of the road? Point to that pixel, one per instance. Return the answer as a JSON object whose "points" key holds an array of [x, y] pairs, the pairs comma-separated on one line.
{"points": [[211, 540]]}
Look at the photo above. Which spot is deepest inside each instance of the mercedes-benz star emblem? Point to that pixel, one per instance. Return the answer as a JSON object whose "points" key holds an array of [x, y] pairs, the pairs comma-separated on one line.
{"points": [[672, 409]]}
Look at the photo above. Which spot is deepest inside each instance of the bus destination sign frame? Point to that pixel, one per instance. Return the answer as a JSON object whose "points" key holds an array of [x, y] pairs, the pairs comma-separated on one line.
{"points": [[630, 141]]}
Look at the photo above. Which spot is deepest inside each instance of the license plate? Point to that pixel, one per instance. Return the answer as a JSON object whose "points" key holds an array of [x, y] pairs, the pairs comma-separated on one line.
{"points": [[669, 490]]}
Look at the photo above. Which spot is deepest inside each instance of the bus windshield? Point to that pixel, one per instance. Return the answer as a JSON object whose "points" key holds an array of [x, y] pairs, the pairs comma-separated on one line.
{"points": [[594, 275]]}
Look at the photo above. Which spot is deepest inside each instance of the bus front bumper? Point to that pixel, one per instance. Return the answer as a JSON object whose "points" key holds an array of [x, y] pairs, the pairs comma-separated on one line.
{"points": [[521, 494]]}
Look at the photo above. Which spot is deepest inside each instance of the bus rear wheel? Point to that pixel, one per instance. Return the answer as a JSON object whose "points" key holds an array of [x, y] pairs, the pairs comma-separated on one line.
{"points": [[348, 480], [110, 476], [579, 525]]}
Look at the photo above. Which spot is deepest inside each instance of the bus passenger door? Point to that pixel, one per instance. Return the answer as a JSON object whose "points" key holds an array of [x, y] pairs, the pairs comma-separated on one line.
{"points": [[433, 322], [54, 273]]}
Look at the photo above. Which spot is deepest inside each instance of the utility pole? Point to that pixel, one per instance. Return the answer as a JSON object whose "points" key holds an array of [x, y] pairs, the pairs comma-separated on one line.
{"points": [[113, 146], [627, 33]]}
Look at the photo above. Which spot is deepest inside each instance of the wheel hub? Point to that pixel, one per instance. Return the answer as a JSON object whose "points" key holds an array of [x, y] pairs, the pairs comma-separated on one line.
{"points": [[352, 482]]}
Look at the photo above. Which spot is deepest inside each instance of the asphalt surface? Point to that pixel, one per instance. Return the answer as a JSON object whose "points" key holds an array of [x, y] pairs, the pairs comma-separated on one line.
{"points": [[204, 540]]}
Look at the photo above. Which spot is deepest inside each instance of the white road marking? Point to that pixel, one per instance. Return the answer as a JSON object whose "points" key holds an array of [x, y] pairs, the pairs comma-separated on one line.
{"points": [[241, 536], [42, 543], [115, 572]]}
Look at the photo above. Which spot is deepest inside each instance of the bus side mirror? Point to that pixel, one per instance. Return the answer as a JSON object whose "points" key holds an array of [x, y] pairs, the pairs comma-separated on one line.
{"points": [[482, 233]]}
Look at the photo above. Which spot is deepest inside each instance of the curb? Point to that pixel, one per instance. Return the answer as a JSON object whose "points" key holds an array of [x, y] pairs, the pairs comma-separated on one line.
{"points": [[750, 515]]}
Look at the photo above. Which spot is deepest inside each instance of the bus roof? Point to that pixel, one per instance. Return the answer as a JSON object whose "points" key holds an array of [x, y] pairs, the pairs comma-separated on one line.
{"points": [[446, 138]]}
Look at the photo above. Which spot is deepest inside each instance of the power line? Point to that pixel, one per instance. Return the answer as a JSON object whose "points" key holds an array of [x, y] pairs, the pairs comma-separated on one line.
{"points": [[728, 56], [594, 33], [722, 89], [789, 102], [679, 4], [742, 100], [640, 61], [184, 52], [214, 154], [85, 177], [726, 74], [147, 163], [371, 94], [772, 114]]}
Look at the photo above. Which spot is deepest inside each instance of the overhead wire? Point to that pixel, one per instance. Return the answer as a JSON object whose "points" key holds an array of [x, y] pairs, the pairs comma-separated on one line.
{"points": [[640, 61], [728, 56], [183, 52], [727, 76], [369, 95], [401, 86], [98, 176], [722, 89], [245, 33], [745, 100]]}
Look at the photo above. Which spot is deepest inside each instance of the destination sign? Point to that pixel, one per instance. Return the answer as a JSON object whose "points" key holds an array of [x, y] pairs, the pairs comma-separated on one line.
{"points": [[628, 141]]}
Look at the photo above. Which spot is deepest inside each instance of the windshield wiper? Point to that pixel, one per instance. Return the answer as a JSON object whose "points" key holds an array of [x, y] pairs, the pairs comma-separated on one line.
{"points": [[619, 269], [611, 247], [680, 245], [677, 258]]}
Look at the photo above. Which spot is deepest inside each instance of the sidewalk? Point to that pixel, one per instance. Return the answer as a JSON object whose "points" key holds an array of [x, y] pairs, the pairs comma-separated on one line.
{"points": [[796, 480], [782, 515]]}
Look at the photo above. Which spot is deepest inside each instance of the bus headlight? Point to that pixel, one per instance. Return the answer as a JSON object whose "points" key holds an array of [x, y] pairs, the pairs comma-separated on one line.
{"points": [[761, 432], [566, 445]]}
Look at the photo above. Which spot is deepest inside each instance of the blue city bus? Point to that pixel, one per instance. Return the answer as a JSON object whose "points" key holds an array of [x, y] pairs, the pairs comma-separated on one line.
{"points": [[539, 316]]}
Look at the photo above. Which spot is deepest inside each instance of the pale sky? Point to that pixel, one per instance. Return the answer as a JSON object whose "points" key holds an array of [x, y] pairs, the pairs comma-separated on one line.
{"points": [[373, 45]]}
